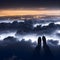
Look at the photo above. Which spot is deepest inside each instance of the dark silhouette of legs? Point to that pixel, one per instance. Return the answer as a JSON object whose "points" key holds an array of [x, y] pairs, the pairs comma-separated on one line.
{"points": [[47, 52], [44, 41], [39, 41], [36, 53], [38, 47], [45, 46]]}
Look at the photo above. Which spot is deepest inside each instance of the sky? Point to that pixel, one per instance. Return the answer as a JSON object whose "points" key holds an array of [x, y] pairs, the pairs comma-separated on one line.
{"points": [[18, 12], [29, 3], [29, 7]]}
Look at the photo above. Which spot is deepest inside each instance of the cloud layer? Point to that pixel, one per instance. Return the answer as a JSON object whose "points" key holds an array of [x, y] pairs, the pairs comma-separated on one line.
{"points": [[13, 35]]}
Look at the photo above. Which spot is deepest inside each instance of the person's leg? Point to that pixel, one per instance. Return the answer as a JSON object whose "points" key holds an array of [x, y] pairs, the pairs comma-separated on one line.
{"points": [[47, 52], [44, 41], [39, 41], [36, 53]]}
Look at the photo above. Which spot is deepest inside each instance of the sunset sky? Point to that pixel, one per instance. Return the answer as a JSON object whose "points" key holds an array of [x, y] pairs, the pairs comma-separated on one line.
{"points": [[19, 12], [29, 7]]}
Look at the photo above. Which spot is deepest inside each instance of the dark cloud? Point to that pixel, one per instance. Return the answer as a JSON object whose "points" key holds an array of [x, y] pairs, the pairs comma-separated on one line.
{"points": [[27, 27], [10, 39], [55, 43], [11, 48], [23, 50], [15, 49], [46, 29], [58, 34]]}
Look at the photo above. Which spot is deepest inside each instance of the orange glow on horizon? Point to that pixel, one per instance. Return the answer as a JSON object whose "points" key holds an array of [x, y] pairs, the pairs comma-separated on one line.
{"points": [[28, 12]]}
